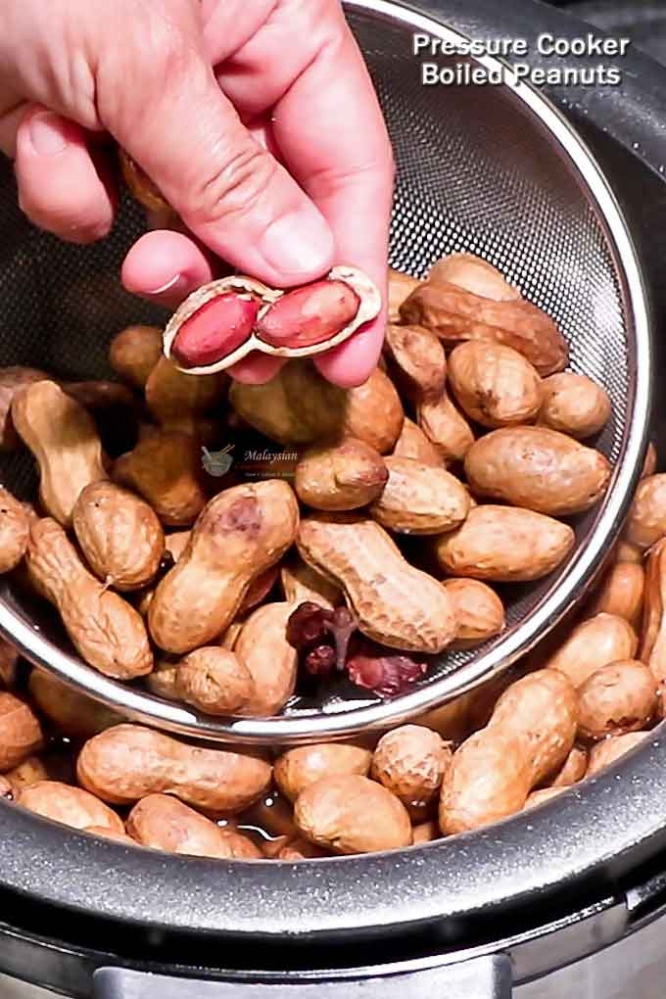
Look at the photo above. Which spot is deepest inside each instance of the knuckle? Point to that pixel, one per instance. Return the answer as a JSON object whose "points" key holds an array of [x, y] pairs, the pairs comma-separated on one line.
{"points": [[236, 188]]}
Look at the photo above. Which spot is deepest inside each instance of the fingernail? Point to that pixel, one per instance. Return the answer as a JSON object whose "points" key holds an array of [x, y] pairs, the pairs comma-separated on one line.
{"points": [[46, 136], [299, 243], [170, 286]]}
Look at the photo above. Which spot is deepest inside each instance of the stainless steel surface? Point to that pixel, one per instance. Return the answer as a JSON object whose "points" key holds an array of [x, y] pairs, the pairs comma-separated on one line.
{"points": [[493, 170]]}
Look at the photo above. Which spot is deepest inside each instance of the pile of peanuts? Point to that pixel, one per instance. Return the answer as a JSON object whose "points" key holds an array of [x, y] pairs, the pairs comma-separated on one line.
{"points": [[411, 496]]}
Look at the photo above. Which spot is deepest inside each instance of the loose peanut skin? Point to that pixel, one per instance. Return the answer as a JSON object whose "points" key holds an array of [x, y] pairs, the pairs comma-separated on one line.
{"points": [[413, 443], [107, 632], [411, 762], [164, 823], [420, 499], [166, 470], [574, 404], [130, 762], [646, 522], [241, 533], [119, 534], [494, 385], [63, 438], [396, 604], [479, 611], [607, 752], [352, 814], [621, 592], [618, 698], [70, 806], [504, 544], [343, 477], [417, 361], [272, 663], [134, 352], [14, 531], [537, 468], [298, 768], [594, 643]]}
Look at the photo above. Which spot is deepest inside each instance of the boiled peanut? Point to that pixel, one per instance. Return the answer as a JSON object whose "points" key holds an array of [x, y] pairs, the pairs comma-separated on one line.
{"points": [[395, 604], [624, 552], [212, 680], [542, 795], [164, 823], [298, 768], [13, 379], [119, 534], [340, 477], [14, 531], [450, 720], [426, 832], [300, 849], [621, 592], [594, 643], [30, 771], [172, 394], [258, 590], [63, 438], [268, 409], [646, 522], [620, 697], [274, 815], [479, 610], [572, 770], [174, 546], [651, 461], [272, 663], [241, 533], [418, 361], [411, 762], [230, 637], [537, 468], [134, 352], [100, 396], [574, 404], [107, 632], [301, 584], [71, 806], [8, 664], [166, 470], [400, 286], [413, 443], [483, 699], [653, 638], [74, 714], [445, 427], [114, 834], [20, 731], [608, 751], [475, 275], [494, 385], [456, 315], [420, 499], [129, 762], [352, 814], [504, 544]]}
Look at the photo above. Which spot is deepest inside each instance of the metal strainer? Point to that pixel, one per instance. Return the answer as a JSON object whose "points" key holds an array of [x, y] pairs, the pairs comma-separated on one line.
{"points": [[493, 170]]}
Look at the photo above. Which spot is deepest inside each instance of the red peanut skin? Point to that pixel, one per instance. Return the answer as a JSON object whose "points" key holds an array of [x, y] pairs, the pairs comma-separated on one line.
{"points": [[215, 330], [309, 315]]}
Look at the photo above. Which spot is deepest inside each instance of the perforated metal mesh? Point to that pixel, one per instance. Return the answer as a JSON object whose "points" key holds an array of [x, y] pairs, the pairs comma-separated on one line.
{"points": [[477, 171]]}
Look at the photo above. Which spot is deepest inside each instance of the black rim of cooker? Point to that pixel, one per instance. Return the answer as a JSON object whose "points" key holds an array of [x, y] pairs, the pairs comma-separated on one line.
{"points": [[591, 835]]}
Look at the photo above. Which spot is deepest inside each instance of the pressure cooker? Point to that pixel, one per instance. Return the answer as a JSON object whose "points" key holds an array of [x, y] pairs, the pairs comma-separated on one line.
{"points": [[568, 899]]}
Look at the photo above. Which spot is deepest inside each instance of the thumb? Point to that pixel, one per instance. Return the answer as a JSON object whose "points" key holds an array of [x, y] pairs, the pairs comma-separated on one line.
{"points": [[228, 189]]}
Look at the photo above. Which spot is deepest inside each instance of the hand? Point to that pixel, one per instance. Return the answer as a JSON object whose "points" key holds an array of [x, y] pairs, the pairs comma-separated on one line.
{"points": [[257, 120]]}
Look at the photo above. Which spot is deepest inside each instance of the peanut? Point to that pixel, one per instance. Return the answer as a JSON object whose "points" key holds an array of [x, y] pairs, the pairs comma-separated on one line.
{"points": [[119, 534], [310, 315], [107, 632], [129, 762], [574, 404], [352, 814], [450, 720], [166, 470], [624, 552], [426, 832], [504, 544], [134, 352], [413, 443], [258, 590], [646, 522], [75, 715], [411, 762], [218, 328], [30, 771], [272, 663], [64, 440], [537, 468], [572, 770], [11, 381], [620, 697], [172, 395], [268, 409], [71, 806], [14, 531], [241, 533], [539, 797], [594, 643], [400, 286], [493, 384], [651, 461], [474, 275], [100, 396], [607, 752], [445, 427], [420, 499], [456, 315], [212, 680], [274, 815], [20, 732], [301, 584], [8, 664], [164, 823], [114, 834], [342, 477], [479, 611], [299, 849], [418, 362], [298, 768], [621, 592], [653, 638], [395, 604], [174, 546]]}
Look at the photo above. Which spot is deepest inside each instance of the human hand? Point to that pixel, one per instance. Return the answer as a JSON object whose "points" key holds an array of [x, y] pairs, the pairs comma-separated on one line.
{"points": [[257, 121]]}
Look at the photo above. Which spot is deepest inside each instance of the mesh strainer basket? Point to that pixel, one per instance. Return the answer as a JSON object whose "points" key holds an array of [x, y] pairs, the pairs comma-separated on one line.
{"points": [[492, 170]]}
